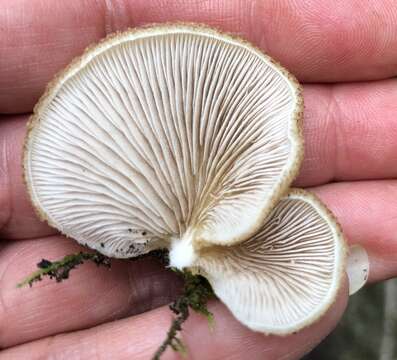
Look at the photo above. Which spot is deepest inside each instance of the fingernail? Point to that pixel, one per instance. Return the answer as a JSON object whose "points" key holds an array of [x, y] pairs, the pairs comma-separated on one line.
{"points": [[357, 268]]}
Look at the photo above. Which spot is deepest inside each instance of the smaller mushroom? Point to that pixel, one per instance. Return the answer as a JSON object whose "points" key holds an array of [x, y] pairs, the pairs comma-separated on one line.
{"points": [[288, 274]]}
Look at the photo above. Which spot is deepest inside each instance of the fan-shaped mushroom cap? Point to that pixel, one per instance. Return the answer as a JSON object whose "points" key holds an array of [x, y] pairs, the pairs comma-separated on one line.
{"points": [[170, 136], [288, 274]]}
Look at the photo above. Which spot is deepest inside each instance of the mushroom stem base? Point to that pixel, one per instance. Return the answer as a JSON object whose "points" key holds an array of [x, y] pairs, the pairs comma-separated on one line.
{"points": [[182, 253]]}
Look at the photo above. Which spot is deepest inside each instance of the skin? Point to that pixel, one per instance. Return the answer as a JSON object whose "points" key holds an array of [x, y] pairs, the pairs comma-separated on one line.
{"points": [[350, 129]]}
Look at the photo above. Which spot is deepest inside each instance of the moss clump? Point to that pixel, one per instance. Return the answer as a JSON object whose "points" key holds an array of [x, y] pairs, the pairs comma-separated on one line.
{"points": [[59, 270], [195, 295]]}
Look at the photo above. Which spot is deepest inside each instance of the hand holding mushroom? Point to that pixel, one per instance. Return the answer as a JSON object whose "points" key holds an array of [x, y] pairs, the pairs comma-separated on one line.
{"points": [[184, 138]]}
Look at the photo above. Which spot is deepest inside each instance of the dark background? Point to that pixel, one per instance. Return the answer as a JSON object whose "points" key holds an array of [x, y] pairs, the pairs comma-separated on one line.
{"points": [[368, 330]]}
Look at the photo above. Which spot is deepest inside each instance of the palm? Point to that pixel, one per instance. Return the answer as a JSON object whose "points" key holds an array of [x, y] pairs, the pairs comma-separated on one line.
{"points": [[351, 163]]}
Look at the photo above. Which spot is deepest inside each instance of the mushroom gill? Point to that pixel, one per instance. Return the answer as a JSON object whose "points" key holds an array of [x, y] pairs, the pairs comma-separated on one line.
{"points": [[288, 274], [181, 137], [172, 136]]}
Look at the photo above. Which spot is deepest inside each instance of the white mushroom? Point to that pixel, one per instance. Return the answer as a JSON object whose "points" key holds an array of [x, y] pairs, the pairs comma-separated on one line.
{"points": [[170, 134], [181, 137], [288, 274]]}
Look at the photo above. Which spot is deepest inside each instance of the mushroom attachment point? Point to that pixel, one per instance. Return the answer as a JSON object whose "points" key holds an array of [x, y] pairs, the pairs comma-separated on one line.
{"points": [[180, 137]]}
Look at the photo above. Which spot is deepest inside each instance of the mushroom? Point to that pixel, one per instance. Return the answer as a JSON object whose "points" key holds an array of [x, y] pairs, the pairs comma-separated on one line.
{"points": [[288, 274], [181, 137]]}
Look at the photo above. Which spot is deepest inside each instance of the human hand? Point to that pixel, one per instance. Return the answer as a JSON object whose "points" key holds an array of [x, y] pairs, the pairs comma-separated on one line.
{"points": [[351, 137]]}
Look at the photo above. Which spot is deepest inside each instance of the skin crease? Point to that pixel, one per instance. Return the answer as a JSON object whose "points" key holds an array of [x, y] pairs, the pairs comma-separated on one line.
{"points": [[350, 132]]}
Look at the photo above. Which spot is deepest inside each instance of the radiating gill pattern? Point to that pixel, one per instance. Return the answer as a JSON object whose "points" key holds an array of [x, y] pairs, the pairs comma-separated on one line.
{"points": [[159, 134], [285, 274]]}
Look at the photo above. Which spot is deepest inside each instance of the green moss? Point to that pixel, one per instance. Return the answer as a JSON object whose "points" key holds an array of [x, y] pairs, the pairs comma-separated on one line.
{"points": [[59, 270], [195, 295]]}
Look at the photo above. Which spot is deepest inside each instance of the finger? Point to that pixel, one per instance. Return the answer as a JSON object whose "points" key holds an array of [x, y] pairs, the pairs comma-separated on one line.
{"points": [[317, 40], [139, 337], [367, 212], [350, 134], [17, 218], [92, 295]]}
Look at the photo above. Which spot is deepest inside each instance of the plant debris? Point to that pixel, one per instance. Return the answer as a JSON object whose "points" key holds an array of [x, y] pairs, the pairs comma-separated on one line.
{"points": [[59, 270], [195, 295]]}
